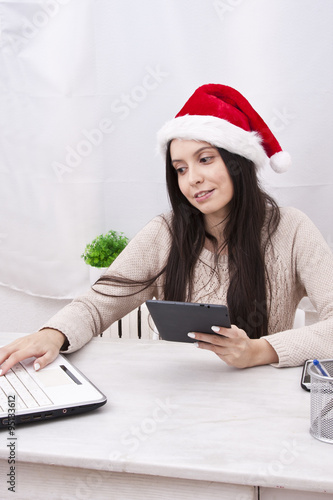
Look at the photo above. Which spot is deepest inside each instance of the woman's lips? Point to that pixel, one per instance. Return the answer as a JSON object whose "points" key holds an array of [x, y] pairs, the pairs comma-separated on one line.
{"points": [[203, 195]]}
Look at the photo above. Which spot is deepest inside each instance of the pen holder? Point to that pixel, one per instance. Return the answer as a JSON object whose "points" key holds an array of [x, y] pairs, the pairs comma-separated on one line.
{"points": [[322, 403]]}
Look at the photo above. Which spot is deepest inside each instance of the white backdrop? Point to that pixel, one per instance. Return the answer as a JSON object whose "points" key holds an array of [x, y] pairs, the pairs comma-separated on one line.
{"points": [[86, 84]]}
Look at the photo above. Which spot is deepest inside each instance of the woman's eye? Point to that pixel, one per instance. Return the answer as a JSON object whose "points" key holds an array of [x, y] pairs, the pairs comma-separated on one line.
{"points": [[206, 159], [180, 170]]}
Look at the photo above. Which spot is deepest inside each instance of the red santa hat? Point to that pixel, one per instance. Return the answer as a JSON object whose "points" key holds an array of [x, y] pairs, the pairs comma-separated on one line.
{"points": [[221, 116]]}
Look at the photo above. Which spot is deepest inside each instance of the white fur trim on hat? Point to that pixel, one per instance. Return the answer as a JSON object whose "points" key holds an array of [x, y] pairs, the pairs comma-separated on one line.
{"points": [[217, 132], [280, 162]]}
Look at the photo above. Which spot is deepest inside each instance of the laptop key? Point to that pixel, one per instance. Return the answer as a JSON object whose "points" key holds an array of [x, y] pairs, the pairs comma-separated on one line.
{"points": [[32, 386], [19, 388], [8, 390], [3, 400]]}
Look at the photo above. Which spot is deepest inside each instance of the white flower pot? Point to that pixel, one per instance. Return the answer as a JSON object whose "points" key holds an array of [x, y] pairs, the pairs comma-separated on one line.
{"points": [[95, 273]]}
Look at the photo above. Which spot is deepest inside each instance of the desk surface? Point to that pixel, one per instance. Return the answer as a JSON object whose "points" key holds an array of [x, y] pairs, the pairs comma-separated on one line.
{"points": [[177, 411]]}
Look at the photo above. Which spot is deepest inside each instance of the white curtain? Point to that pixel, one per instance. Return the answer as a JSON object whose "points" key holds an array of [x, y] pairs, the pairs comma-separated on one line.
{"points": [[86, 84]]}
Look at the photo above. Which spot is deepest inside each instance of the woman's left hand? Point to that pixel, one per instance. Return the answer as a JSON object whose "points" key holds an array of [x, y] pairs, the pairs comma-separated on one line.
{"points": [[235, 348]]}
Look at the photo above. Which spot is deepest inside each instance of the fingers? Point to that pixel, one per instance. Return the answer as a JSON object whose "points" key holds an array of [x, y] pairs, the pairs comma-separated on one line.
{"points": [[231, 332], [42, 345], [17, 356], [12, 353], [221, 336], [231, 355], [45, 360], [234, 348], [11, 359]]}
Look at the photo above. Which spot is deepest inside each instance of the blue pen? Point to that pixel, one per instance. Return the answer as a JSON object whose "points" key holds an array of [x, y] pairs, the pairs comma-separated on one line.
{"points": [[320, 368]]}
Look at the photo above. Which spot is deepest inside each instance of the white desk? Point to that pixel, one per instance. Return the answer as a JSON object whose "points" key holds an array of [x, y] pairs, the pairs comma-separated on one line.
{"points": [[178, 424]]}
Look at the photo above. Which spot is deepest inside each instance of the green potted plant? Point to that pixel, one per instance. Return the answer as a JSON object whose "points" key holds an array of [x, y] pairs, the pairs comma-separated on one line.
{"points": [[102, 251]]}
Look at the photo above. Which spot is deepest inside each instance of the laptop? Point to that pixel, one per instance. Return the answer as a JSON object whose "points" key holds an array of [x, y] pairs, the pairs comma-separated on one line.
{"points": [[58, 390]]}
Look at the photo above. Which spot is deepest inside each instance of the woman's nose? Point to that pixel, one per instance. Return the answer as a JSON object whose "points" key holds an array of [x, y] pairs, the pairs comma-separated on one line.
{"points": [[195, 177]]}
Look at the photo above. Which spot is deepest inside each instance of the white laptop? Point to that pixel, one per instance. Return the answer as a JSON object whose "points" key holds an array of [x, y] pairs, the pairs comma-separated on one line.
{"points": [[58, 390]]}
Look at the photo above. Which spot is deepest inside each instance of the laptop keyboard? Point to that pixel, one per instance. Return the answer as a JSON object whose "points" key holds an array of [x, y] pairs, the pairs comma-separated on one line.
{"points": [[29, 394]]}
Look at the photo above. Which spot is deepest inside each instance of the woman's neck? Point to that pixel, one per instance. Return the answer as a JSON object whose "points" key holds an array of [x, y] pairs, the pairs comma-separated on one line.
{"points": [[218, 233], [215, 228]]}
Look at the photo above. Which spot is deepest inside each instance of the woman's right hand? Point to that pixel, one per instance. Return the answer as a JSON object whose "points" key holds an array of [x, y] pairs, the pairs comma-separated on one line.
{"points": [[44, 345]]}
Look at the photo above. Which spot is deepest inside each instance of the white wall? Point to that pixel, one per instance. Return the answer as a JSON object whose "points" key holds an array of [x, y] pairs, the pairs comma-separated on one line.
{"points": [[86, 84], [24, 313]]}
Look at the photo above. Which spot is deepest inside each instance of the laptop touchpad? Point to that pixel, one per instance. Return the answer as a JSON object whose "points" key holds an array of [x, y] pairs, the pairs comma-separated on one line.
{"points": [[54, 377]]}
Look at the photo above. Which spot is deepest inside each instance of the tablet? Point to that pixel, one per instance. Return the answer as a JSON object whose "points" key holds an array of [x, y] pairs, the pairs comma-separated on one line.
{"points": [[174, 320]]}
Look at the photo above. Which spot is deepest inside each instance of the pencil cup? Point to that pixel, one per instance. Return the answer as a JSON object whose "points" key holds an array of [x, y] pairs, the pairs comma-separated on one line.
{"points": [[322, 402]]}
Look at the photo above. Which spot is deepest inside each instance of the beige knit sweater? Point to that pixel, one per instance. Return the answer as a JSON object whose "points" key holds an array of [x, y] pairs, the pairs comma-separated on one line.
{"points": [[299, 263]]}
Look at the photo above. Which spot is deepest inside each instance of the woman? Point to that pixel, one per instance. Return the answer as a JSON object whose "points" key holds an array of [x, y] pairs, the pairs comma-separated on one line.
{"points": [[225, 241]]}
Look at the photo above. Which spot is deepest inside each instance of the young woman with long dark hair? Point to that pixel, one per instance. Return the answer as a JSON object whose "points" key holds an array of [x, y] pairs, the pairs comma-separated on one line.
{"points": [[225, 241]]}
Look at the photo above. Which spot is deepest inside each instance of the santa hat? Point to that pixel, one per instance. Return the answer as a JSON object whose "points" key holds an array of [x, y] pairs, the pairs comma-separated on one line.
{"points": [[221, 116]]}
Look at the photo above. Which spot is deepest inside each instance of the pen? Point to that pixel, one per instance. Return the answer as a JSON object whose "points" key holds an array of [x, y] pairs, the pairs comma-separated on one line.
{"points": [[320, 368]]}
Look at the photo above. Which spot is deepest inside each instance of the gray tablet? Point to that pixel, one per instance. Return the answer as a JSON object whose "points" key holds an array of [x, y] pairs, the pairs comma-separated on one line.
{"points": [[174, 320]]}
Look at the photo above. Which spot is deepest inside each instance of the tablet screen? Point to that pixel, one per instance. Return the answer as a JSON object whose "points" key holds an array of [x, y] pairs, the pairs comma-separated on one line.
{"points": [[174, 320]]}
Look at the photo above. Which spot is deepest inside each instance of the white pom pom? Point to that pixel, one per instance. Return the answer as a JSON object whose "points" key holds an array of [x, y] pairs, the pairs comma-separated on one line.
{"points": [[280, 162]]}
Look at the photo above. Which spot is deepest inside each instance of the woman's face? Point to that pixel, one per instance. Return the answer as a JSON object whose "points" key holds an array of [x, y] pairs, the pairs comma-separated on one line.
{"points": [[203, 177]]}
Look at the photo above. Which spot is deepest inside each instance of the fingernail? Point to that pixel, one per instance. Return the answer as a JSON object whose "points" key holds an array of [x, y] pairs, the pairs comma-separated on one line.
{"points": [[191, 335], [216, 329], [0, 372], [37, 366], [196, 344]]}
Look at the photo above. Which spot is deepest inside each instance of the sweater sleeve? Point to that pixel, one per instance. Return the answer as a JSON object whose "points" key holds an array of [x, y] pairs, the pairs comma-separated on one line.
{"points": [[311, 261], [90, 314]]}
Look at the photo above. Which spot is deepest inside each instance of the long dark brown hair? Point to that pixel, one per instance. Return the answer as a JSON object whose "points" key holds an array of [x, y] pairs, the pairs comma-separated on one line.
{"points": [[252, 220], [247, 230]]}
